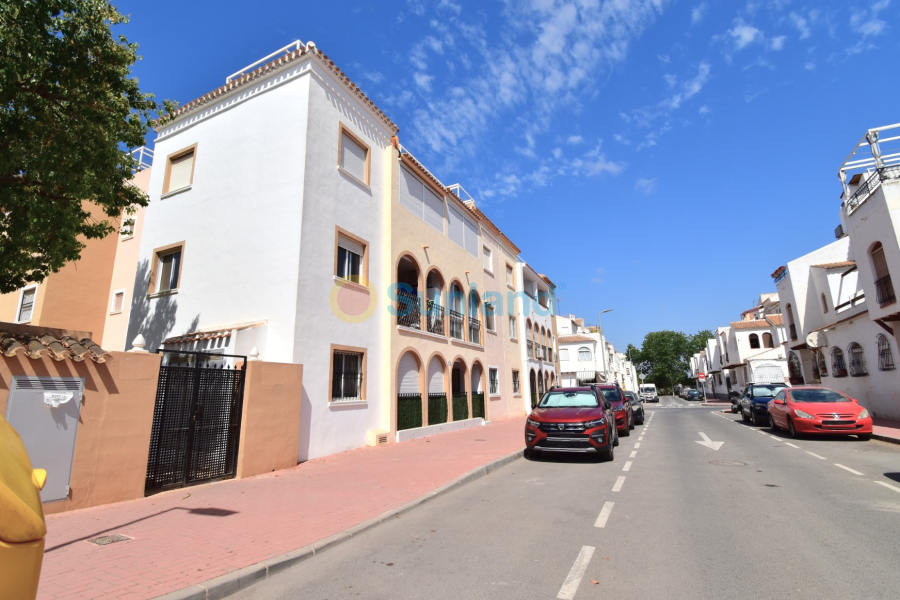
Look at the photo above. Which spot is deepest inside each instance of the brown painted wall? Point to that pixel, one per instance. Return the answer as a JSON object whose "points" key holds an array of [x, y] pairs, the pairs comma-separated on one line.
{"points": [[113, 437], [270, 428]]}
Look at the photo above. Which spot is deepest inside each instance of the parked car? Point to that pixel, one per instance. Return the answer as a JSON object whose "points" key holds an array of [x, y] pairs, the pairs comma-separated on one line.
{"points": [[754, 402], [621, 406], [694, 395], [637, 407], [572, 419], [817, 410], [649, 393]]}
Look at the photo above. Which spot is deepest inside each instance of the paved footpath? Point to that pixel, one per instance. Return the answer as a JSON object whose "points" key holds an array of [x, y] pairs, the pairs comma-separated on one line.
{"points": [[187, 536]]}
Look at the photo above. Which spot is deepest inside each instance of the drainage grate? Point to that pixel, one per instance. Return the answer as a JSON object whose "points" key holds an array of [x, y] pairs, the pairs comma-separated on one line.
{"points": [[105, 540], [727, 463]]}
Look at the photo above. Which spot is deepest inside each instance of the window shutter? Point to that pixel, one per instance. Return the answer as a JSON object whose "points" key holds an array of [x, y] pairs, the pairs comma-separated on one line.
{"points": [[471, 238], [411, 190], [180, 171], [434, 210], [351, 245], [563, 354], [118, 301], [488, 259], [435, 377], [353, 157], [408, 375], [457, 229], [27, 306]]}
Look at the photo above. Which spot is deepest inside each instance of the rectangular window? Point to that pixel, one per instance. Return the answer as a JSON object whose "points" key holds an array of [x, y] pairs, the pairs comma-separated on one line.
{"points": [[350, 253], [489, 320], [347, 376], [179, 170], [166, 270], [354, 157], [118, 302], [493, 382], [509, 276], [488, 259], [515, 382], [512, 328], [563, 354], [26, 304]]}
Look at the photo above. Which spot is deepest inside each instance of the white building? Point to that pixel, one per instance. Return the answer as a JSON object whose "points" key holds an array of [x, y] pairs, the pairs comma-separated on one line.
{"points": [[586, 356]]}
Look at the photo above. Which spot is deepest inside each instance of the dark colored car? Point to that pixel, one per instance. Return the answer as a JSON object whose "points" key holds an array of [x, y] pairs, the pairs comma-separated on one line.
{"points": [[637, 406], [573, 419], [754, 402], [621, 407], [694, 395]]}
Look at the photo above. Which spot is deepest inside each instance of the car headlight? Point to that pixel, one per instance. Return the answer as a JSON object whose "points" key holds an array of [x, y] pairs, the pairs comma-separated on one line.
{"points": [[597, 423], [803, 415], [618, 408], [864, 414], [532, 423]]}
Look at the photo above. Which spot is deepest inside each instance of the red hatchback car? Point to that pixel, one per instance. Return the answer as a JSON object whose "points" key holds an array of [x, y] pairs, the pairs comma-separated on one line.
{"points": [[574, 419], [812, 409]]}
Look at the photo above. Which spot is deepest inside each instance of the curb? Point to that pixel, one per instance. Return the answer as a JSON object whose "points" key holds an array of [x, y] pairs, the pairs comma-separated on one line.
{"points": [[884, 438], [228, 584]]}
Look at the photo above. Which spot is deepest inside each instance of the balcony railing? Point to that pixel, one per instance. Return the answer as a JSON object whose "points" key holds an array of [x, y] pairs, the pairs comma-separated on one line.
{"points": [[456, 325], [408, 309], [435, 318], [530, 350], [871, 184], [544, 354], [474, 331], [793, 330], [884, 291]]}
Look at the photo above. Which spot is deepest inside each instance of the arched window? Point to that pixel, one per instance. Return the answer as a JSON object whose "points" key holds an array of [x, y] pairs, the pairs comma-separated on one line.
{"points": [[838, 366], [884, 289], [795, 371], [820, 361], [767, 341], [790, 319], [824, 304], [584, 353], [885, 358], [857, 360], [754, 340]]}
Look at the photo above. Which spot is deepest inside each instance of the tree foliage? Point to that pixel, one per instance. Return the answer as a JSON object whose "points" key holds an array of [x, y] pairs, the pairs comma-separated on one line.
{"points": [[664, 356], [69, 113]]}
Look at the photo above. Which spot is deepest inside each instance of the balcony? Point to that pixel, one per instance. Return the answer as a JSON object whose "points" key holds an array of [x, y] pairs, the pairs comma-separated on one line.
{"points": [[871, 184], [474, 331], [884, 291], [530, 350], [435, 318], [408, 310], [457, 321]]}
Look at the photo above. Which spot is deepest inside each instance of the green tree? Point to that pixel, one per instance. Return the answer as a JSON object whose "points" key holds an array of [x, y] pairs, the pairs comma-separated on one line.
{"points": [[697, 342], [69, 113], [664, 351]]}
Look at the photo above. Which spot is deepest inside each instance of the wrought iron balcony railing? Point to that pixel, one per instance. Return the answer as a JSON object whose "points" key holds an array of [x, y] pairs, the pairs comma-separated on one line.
{"points": [[456, 325], [884, 291], [870, 185], [435, 318], [530, 350], [408, 309], [474, 331]]}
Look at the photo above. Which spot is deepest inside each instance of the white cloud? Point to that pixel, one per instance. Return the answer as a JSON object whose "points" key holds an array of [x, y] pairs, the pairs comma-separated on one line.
{"points": [[598, 275], [867, 23], [374, 76], [664, 58], [575, 139], [622, 139], [777, 43], [423, 80], [801, 24], [645, 186], [689, 88], [743, 35], [810, 66], [671, 80], [698, 12], [704, 110]]}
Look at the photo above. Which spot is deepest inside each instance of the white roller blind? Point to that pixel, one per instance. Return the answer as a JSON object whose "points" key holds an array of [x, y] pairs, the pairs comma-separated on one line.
{"points": [[411, 190], [563, 354], [180, 171], [471, 238], [457, 230], [351, 245], [476, 379], [435, 376], [434, 210], [488, 259], [408, 375], [353, 157]]}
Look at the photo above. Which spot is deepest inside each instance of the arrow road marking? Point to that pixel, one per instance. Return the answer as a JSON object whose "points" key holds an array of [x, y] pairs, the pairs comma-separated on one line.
{"points": [[708, 442]]}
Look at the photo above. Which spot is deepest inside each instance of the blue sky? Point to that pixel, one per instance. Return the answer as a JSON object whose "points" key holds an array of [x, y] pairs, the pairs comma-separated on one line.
{"points": [[659, 158]]}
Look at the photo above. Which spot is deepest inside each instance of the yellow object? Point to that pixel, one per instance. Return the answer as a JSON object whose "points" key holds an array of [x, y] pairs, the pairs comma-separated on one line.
{"points": [[22, 527]]}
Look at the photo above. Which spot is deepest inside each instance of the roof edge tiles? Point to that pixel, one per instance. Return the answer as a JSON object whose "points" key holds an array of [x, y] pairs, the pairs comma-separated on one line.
{"points": [[574, 338], [309, 49], [209, 334], [757, 324], [36, 346], [836, 265]]}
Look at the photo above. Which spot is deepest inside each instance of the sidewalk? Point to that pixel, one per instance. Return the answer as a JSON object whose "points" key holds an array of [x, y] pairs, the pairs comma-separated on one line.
{"points": [[190, 535], [886, 430]]}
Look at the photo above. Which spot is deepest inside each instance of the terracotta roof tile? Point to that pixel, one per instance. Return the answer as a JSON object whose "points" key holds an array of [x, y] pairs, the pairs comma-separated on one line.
{"points": [[59, 349], [574, 338], [837, 265], [211, 334], [775, 320], [750, 324]]}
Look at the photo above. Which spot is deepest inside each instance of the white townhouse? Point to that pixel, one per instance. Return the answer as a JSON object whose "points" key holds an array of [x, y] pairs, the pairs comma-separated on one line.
{"points": [[586, 356], [534, 310], [265, 237]]}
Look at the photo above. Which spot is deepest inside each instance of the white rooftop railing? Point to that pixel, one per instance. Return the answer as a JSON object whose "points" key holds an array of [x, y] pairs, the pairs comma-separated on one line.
{"points": [[295, 45], [870, 158], [144, 157]]}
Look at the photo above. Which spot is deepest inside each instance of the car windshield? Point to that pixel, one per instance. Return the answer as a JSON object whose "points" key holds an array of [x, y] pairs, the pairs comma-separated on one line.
{"points": [[766, 391], [612, 395], [568, 400], [817, 396]]}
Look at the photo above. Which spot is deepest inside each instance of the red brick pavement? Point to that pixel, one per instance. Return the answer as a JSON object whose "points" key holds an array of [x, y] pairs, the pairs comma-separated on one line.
{"points": [[186, 536]]}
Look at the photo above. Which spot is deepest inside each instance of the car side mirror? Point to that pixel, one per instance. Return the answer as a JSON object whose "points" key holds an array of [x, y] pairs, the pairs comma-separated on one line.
{"points": [[854, 400]]}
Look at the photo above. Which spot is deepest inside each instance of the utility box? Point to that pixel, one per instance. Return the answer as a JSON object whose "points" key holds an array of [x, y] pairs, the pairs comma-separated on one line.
{"points": [[45, 411]]}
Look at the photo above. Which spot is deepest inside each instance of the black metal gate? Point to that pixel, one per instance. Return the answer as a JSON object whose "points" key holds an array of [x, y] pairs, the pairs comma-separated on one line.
{"points": [[196, 419]]}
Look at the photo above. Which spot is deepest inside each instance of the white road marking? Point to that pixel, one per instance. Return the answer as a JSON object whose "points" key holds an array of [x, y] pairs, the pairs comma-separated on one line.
{"points": [[573, 580], [855, 472], [887, 485], [633, 454], [604, 514], [816, 455], [619, 483], [627, 466], [791, 445], [708, 442], [638, 445]]}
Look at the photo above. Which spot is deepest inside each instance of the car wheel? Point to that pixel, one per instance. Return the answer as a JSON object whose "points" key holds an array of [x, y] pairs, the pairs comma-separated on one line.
{"points": [[754, 420], [630, 427], [791, 429], [625, 433], [864, 437], [616, 442], [744, 416], [772, 425], [641, 419], [610, 453]]}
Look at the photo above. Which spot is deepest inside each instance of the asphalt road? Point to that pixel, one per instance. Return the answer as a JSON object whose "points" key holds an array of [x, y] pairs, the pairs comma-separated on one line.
{"points": [[667, 519]]}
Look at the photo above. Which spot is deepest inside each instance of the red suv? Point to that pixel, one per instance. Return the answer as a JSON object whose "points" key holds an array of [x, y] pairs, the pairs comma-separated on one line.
{"points": [[574, 419], [621, 407]]}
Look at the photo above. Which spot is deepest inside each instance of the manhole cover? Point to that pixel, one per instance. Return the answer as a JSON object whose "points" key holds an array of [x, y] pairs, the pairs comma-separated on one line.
{"points": [[104, 540], [727, 463]]}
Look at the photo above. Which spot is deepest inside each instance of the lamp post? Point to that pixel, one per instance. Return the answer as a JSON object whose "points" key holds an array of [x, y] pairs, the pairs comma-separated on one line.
{"points": [[602, 343]]}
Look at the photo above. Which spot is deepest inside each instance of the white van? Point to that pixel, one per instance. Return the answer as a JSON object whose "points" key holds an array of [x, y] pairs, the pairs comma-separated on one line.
{"points": [[648, 393]]}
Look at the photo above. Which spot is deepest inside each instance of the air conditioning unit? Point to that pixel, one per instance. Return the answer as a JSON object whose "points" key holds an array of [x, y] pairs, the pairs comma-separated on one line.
{"points": [[377, 437]]}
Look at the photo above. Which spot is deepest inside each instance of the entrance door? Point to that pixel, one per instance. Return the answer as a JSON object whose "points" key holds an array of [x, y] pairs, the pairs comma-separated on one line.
{"points": [[196, 420]]}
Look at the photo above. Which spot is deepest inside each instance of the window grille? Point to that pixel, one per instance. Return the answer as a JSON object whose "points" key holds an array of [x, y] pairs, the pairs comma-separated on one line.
{"points": [[347, 376], [493, 382], [838, 366], [820, 359], [885, 358], [857, 360], [515, 375]]}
